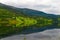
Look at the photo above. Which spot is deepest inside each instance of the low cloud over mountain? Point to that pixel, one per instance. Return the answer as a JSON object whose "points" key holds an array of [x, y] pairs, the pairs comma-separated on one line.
{"points": [[49, 6]]}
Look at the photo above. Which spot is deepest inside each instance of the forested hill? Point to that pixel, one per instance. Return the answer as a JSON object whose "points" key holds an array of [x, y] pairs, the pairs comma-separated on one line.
{"points": [[24, 21]]}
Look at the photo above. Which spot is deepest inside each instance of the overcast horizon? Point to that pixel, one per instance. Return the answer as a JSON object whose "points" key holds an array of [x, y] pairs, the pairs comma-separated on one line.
{"points": [[48, 6]]}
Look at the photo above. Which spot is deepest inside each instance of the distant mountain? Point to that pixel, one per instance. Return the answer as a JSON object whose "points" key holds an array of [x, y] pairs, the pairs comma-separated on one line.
{"points": [[24, 21], [28, 11]]}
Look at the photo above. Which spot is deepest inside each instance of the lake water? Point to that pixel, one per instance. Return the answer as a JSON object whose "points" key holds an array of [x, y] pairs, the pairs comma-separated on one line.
{"points": [[53, 34]]}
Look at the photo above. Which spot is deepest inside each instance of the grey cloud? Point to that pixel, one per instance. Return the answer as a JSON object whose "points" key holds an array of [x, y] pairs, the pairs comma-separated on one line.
{"points": [[42, 6]]}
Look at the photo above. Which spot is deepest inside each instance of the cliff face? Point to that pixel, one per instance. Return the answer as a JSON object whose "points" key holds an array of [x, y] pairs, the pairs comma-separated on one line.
{"points": [[23, 21]]}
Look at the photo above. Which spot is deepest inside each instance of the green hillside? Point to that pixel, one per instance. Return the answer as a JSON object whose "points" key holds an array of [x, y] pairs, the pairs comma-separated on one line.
{"points": [[14, 22]]}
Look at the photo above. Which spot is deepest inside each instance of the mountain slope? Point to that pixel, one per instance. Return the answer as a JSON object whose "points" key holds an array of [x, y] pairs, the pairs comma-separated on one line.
{"points": [[24, 21]]}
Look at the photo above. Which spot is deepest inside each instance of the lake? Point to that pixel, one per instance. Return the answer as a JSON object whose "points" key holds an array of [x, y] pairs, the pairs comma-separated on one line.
{"points": [[53, 34]]}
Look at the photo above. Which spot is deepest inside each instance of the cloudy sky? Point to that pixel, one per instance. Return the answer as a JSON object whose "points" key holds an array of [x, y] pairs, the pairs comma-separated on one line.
{"points": [[49, 6]]}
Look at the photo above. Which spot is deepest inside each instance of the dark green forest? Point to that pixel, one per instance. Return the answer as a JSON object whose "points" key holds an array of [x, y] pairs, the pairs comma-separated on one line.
{"points": [[16, 21]]}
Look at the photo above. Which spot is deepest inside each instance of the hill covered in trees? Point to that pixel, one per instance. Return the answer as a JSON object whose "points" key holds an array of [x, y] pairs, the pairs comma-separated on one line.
{"points": [[24, 21]]}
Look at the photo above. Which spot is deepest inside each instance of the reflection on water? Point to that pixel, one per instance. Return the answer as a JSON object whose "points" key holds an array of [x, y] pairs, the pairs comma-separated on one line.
{"points": [[53, 34]]}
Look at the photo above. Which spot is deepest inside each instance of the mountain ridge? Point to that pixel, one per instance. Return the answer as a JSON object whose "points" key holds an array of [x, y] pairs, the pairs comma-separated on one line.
{"points": [[25, 18], [39, 13]]}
